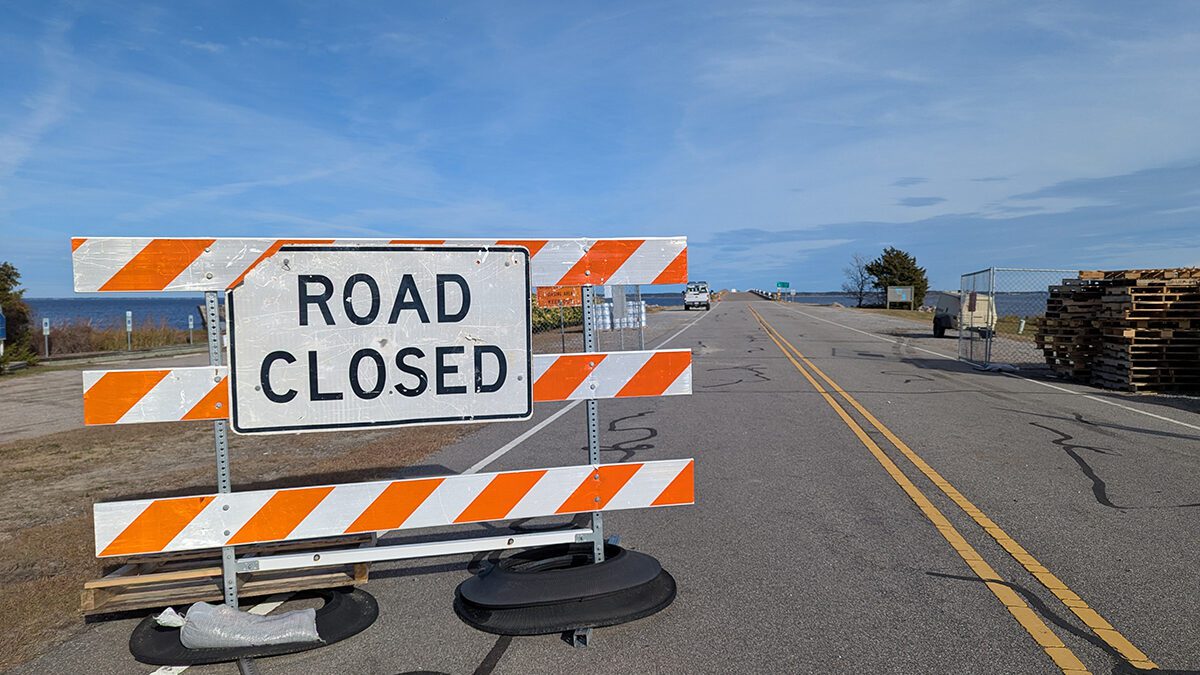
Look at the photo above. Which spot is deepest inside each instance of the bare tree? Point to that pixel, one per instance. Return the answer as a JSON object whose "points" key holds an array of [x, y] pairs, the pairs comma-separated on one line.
{"points": [[858, 280]]}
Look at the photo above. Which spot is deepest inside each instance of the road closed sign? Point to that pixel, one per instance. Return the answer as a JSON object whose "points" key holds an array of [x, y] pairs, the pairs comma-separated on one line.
{"points": [[340, 337]]}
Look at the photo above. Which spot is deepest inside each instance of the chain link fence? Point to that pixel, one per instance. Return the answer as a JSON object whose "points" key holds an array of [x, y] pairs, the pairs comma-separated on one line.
{"points": [[620, 323], [1000, 310]]}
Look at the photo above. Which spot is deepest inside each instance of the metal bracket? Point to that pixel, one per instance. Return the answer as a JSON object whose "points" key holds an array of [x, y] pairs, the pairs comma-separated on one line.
{"points": [[579, 637]]}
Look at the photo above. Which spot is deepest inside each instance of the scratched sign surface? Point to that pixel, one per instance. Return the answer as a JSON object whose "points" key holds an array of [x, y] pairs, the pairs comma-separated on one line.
{"points": [[337, 337]]}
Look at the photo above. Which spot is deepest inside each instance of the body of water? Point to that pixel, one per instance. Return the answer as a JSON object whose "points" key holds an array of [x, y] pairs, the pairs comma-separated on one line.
{"points": [[109, 312]]}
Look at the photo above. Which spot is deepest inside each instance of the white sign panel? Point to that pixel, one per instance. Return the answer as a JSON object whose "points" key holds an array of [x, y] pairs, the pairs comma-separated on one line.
{"points": [[338, 337], [128, 321]]}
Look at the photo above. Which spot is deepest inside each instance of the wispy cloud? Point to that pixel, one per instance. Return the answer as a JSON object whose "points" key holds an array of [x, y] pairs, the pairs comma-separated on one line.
{"points": [[909, 181], [920, 201], [204, 46], [43, 109]]}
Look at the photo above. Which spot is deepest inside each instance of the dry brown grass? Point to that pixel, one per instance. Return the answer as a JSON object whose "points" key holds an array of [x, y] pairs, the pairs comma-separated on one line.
{"points": [[51, 482], [83, 336]]}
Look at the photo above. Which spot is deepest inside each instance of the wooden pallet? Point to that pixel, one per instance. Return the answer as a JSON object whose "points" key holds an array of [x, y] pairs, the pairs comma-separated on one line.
{"points": [[1126, 329], [181, 579]]}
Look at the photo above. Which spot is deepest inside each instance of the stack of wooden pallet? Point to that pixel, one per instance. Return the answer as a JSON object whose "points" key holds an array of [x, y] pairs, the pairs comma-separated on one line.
{"points": [[1136, 330], [1068, 335]]}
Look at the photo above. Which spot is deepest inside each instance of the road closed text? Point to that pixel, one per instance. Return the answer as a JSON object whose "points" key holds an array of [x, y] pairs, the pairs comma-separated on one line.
{"points": [[338, 337]]}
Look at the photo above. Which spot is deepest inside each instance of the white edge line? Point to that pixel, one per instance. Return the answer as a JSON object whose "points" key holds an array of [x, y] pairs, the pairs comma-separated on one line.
{"points": [[1055, 387], [503, 450], [483, 463], [275, 601]]}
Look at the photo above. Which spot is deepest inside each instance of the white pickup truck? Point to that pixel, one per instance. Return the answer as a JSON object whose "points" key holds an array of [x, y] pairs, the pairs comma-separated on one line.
{"points": [[697, 295]]}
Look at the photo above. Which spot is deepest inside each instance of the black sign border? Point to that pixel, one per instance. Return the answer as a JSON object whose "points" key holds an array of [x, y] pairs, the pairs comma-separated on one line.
{"points": [[462, 419]]}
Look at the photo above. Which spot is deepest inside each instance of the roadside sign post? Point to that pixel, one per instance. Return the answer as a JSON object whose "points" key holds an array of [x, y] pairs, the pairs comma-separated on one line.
{"points": [[779, 288], [221, 446], [129, 330], [191, 327], [46, 335], [593, 417]]}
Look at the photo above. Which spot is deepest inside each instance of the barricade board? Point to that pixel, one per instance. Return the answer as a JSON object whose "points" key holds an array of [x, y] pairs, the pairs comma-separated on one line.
{"points": [[145, 264], [209, 521], [201, 392], [337, 337]]}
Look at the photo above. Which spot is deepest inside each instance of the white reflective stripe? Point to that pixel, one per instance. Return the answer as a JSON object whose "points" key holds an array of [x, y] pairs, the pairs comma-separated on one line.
{"points": [[174, 396], [209, 526], [449, 500], [110, 519], [682, 386], [614, 372], [557, 258], [338, 510], [542, 363], [646, 485], [550, 492], [648, 261], [96, 260]]}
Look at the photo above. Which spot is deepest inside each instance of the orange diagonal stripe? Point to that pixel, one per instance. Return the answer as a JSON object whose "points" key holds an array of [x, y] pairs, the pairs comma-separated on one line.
{"points": [[676, 272], [682, 489], [76, 242], [280, 515], [564, 376], [419, 242], [603, 259], [272, 250], [613, 477], [500, 496], [157, 264], [107, 401], [394, 505], [656, 374], [156, 526], [534, 245], [206, 408]]}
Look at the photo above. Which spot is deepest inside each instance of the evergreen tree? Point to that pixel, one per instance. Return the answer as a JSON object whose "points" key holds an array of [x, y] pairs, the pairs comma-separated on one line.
{"points": [[18, 346], [898, 268]]}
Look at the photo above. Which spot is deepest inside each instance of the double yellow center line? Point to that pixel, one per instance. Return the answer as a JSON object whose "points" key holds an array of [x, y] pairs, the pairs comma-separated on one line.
{"points": [[1062, 656]]}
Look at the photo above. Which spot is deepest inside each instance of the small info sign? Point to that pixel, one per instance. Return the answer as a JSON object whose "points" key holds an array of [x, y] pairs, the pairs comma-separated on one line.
{"points": [[338, 337], [559, 296]]}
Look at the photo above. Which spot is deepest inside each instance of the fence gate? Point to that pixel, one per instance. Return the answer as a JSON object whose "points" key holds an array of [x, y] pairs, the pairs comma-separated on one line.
{"points": [[1000, 312]]}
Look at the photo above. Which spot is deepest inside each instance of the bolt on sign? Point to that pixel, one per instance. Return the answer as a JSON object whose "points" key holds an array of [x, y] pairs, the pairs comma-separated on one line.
{"points": [[337, 337], [559, 296]]}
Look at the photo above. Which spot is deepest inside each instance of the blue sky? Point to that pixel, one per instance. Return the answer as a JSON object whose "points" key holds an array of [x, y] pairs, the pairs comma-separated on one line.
{"points": [[781, 138]]}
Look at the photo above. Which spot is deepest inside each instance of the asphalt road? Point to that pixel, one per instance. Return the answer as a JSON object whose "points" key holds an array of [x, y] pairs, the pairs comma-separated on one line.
{"points": [[803, 552]]}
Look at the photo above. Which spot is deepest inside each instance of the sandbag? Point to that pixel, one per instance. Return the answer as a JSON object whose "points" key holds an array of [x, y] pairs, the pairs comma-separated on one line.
{"points": [[208, 626]]}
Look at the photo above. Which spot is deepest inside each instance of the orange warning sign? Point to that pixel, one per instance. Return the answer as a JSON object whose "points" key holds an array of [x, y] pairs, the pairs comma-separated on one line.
{"points": [[553, 296]]}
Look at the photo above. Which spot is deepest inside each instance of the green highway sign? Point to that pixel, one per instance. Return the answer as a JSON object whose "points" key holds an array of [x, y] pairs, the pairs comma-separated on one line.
{"points": [[783, 284]]}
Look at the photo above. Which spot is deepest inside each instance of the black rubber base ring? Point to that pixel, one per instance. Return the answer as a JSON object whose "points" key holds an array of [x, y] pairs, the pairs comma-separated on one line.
{"points": [[347, 612], [591, 605]]}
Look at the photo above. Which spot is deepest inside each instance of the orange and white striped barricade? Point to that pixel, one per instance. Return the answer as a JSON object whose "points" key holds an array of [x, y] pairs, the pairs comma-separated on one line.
{"points": [[336, 334]]}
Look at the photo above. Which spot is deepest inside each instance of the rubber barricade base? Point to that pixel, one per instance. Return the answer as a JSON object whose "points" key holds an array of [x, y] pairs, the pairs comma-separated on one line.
{"points": [[347, 612], [557, 588]]}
